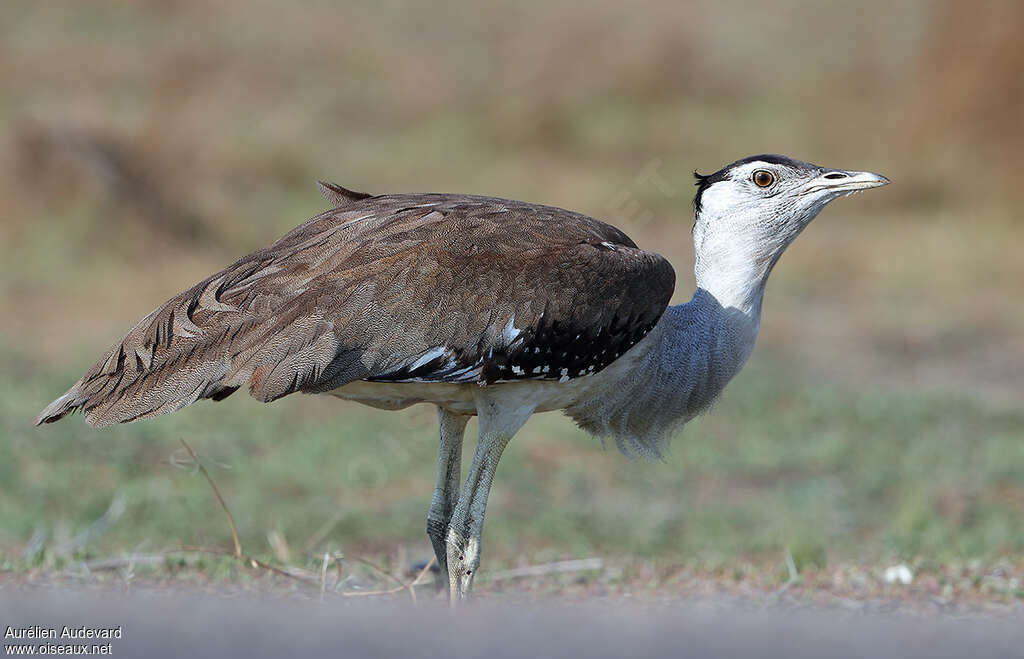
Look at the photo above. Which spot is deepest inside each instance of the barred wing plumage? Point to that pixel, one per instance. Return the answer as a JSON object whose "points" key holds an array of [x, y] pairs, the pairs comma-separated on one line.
{"points": [[423, 287]]}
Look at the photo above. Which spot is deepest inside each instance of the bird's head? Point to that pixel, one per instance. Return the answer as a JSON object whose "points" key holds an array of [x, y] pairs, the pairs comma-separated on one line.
{"points": [[748, 212]]}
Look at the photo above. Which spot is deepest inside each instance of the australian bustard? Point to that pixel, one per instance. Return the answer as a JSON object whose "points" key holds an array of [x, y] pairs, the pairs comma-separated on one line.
{"points": [[481, 306]]}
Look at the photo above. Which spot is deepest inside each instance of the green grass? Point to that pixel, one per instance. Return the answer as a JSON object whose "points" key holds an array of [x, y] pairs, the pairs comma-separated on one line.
{"points": [[782, 463]]}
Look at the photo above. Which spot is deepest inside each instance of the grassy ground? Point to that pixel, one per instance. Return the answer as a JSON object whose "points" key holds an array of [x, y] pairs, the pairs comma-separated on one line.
{"points": [[879, 420], [830, 476]]}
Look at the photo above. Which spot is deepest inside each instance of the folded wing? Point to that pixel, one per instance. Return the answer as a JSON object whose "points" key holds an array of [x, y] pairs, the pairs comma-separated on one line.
{"points": [[426, 288]]}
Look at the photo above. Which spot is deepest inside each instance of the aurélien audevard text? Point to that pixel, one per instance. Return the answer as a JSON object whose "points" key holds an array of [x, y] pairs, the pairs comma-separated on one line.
{"points": [[66, 632]]}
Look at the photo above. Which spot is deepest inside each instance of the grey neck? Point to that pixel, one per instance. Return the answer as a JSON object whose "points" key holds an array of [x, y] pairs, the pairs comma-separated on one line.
{"points": [[680, 369], [726, 330]]}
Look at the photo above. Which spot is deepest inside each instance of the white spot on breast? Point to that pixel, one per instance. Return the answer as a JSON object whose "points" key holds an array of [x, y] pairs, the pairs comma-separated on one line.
{"points": [[518, 371]]}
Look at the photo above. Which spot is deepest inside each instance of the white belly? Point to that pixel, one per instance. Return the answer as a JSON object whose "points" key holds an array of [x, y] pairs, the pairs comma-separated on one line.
{"points": [[542, 395]]}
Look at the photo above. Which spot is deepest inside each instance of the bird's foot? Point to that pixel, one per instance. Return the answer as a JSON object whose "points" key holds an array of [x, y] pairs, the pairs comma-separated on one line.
{"points": [[463, 561]]}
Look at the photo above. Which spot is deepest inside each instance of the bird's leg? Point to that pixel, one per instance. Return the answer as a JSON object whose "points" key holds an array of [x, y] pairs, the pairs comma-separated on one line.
{"points": [[466, 526], [497, 426], [446, 491]]}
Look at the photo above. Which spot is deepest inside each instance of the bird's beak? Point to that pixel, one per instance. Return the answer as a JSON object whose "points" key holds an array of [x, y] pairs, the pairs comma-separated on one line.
{"points": [[839, 181]]}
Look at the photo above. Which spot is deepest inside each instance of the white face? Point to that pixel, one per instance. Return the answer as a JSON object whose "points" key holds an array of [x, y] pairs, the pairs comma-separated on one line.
{"points": [[750, 211], [770, 199]]}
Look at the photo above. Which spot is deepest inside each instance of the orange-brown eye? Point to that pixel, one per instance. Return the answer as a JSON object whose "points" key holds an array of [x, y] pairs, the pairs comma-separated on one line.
{"points": [[763, 178]]}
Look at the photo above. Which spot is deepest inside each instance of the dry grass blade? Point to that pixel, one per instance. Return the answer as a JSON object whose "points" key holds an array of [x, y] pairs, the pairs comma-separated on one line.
{"points": [[216, 492], [238, 553], [411, 586], [287, 571], [379, 569]]}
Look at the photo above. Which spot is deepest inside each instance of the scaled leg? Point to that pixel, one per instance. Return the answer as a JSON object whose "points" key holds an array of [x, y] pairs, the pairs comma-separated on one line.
{"points": [[497, 426], [446, 490]]}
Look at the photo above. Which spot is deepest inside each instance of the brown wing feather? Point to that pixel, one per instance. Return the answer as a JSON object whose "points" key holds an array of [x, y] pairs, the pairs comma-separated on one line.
{"points": [[402, 287]]}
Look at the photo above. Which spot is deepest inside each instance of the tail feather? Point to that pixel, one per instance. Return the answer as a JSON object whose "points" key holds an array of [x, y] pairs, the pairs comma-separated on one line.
{"points": [[205, 343], [130, 393], [61, 407], [338, 195], [173, 357]]}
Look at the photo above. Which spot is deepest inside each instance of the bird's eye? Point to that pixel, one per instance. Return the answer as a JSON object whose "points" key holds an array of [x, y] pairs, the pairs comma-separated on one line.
{"points": [[762, 178]]}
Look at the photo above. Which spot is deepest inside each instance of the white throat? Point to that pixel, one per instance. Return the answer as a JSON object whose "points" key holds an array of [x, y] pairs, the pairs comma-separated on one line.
{"points": [[737, 243], [733, 275], [732, 267]]}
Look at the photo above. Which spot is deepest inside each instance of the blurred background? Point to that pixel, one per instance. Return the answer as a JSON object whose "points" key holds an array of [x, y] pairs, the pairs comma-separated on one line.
{"points": [[145, 145]]}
